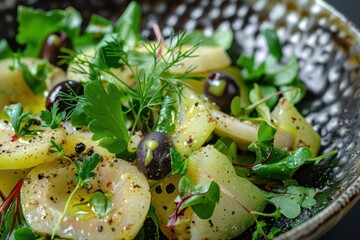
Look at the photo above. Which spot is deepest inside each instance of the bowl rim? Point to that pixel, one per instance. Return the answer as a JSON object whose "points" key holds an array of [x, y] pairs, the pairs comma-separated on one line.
{"points": [[328, 217]]}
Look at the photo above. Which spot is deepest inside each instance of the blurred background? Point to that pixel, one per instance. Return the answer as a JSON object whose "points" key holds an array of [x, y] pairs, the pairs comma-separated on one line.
{"points": [[347, 228]]}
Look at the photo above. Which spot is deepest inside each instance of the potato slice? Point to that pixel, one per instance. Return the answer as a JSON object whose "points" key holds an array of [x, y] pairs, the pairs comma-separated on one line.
{"points": [[194, 124], [74, 136], [28, 151], [47, 188], [229, 219], [288, 119], [13, 88]]}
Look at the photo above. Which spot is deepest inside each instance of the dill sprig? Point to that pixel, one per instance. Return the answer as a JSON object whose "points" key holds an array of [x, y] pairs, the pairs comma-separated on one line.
{"points": [[153, 79]]}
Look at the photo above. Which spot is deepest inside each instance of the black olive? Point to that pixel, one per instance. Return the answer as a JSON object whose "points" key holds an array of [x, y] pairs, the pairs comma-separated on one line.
{"points": [[153, 155], [61, 93], [220, 88], [52, 46]]}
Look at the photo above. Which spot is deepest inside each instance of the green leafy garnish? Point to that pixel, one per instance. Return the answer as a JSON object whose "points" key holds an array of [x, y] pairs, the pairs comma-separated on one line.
{"points": [[56, 149], [292, 199], [84, 176], [100, 202], [36, 24], [21, 122], [5, 49], [222, 37], [52, 118], [35, 77], [273, 43], [178, 165], [201, 198], [104, 108]]}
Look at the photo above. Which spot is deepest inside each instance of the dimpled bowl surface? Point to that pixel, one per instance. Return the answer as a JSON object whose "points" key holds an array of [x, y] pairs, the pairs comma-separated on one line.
{"points": [[328, 50]]}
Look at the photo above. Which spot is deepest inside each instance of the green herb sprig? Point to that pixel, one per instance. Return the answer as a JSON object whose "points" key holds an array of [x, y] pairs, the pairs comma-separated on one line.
{"points": [[20, 121]]}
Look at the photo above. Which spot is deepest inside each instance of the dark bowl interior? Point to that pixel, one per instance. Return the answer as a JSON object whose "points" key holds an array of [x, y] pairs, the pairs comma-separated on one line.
{"points": [[328, 52]]}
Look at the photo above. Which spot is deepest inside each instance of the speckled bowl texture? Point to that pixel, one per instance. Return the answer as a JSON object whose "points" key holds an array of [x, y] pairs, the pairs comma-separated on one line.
{"points": [[328, 50]]}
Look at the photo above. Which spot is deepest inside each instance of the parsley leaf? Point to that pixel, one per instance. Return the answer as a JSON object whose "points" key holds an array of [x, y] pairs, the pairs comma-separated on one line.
{"points": [[108, 125], [21, 122], [84, 170], [52, 118], [56, 149], [84, 176]]}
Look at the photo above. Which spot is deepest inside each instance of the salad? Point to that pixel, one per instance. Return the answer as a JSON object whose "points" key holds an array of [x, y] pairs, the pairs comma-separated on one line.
{"points": [[104, 132]]}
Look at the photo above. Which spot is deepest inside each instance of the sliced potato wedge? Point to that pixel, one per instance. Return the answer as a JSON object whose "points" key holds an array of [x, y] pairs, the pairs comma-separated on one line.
{"points": [[48, 186], [28, 151], [194, 124], [229, 218]]}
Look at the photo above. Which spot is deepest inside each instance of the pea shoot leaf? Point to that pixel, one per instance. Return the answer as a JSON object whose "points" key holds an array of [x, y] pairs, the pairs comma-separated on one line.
{"points": [[100, 202], [291, 199], [273, 43], [201, 198], [285, 168], [227, 147], [103, 106]]}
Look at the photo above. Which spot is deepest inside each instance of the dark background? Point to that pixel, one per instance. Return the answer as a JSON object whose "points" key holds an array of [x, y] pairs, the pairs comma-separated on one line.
{"points": [[348, 227]]}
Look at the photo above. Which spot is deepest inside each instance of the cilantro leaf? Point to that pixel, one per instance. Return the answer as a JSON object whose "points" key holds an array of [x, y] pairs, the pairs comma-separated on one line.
{"points": [[21, 122], [103, 106], [52, 118]]}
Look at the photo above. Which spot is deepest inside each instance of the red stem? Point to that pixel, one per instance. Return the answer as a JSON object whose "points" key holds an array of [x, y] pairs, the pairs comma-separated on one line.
{"points": [[11, 196]]}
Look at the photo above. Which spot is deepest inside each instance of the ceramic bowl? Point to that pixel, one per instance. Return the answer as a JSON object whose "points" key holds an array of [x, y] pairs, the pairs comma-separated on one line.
{"points": [[328, 51]]}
